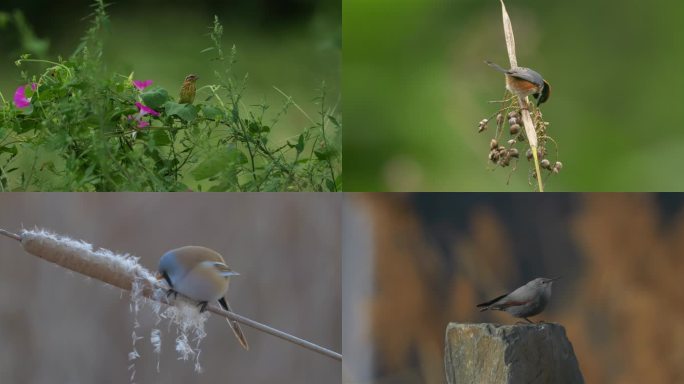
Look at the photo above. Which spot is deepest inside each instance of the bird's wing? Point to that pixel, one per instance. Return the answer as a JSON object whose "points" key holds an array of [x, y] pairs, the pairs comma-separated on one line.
{"points": [[520, 296], [487, 304], [527, 75], [234, 325]]}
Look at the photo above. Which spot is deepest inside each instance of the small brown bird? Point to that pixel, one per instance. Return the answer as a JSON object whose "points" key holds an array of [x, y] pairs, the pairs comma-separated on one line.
{"points": [[188, 90]]}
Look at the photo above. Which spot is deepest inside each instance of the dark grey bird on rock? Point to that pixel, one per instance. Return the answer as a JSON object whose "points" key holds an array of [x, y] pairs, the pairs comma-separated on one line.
{"points": [[524, 302]]}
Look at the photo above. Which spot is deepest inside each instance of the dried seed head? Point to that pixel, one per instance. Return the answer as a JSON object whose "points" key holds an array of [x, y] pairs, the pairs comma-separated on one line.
{"points": [[482, 125], [515, 128], [493, 156], [511, 142], [513, 152], [499, 118], [493, 144], [546, 164], [528, 154], [512, 121], [557, 167]]}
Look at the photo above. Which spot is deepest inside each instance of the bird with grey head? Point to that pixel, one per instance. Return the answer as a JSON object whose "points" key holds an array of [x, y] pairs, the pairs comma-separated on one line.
{"points": [[202, 275], [529, 300]]}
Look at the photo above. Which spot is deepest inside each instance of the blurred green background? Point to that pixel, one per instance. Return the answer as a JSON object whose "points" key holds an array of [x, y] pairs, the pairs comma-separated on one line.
{"points": [[294, 45], [416, 87]]}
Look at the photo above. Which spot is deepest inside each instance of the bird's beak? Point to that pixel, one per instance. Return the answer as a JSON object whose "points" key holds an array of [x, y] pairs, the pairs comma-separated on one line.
{"points": [[231, 273], [555, 278]]}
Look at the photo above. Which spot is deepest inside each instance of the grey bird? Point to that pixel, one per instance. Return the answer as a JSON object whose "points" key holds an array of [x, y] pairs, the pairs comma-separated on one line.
{"points": [[523, 82], [524, 302]]}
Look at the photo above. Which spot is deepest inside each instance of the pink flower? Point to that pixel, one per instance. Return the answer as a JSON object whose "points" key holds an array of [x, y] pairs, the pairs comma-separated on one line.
{"points": [[142, 84], [145, 110], [138, 119], [20, 99]]}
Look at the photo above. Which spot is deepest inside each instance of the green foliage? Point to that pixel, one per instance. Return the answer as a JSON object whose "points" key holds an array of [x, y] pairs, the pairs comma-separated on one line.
{"points": [[84, 132]]}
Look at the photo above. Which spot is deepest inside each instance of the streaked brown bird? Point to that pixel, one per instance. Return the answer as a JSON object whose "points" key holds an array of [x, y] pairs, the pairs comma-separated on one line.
{"points": [[188, 90]]}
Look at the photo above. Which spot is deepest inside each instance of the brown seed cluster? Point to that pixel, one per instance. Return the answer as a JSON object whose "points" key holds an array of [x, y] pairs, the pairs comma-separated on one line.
{"points": [[500, 155], [510, 119]]}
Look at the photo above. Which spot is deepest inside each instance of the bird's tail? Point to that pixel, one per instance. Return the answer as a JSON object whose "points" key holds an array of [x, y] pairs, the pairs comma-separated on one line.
{"points": [[489, 304], [496, 66], [234, 325]]}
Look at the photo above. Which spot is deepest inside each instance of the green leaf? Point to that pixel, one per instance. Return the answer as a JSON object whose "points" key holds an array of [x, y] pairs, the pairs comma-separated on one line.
{"points": [[330, 184], [26, 125], [254, 127], [11, 150], [300, 144], [334, 120], [218, 162], [155, 97], [212, 113], [160, 137], [187, 112], [326, 153]]}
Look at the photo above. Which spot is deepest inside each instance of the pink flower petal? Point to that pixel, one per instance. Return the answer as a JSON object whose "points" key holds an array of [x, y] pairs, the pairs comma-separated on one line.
{"points": [[142, 84], [146, 110], [20, 99], [143, 124], [34, 86]]}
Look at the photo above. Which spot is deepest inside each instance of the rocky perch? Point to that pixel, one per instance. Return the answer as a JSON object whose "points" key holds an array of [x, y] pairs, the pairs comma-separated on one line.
{"points": [[523, 353]]}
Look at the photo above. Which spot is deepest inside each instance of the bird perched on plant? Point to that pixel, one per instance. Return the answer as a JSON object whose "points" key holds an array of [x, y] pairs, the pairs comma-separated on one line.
{"points": [[524, 82], [188, 90], [200, 274]]}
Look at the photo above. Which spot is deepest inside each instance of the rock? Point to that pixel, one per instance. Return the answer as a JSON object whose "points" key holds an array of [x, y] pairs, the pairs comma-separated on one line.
{"points": [[521, 353]]}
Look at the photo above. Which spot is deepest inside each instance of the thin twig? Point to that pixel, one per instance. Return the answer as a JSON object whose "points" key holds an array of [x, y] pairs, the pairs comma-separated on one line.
{"points": [[522, 102], [104, 266]]}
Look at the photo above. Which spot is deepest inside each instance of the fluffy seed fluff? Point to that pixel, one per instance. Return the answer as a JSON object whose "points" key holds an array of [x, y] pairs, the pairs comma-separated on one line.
{"points": [[124, 271]]}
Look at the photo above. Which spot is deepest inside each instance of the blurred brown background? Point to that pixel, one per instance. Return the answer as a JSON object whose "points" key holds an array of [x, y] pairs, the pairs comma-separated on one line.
{"points": [[59, 327], [414, 262]]}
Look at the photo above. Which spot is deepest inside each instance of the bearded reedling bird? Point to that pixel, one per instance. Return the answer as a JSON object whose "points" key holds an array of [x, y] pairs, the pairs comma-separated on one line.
{"points": [[188, 90], [202, 275], [526, 301]]}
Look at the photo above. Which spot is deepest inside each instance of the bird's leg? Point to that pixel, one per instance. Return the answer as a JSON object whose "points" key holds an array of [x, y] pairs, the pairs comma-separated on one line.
{"points": [[170, 292], [203, 306]]}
